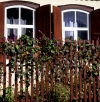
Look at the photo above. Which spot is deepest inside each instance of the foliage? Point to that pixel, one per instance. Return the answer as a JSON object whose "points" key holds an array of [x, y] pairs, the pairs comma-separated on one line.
{"points": [[37, 53], [60, 93], [8, 96], [28, 50], [22, 96]]}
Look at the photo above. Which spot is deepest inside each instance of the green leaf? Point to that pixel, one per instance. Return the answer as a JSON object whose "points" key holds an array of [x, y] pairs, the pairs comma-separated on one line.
{"points": [[17, 47], [30, 42], [98, 65], [96, 73], [52, 51]]}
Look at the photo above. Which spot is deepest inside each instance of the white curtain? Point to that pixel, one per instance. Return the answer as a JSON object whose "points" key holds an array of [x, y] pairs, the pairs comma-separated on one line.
{"points": [[69, 35], [12, 21], [23, 30], [15, 21], [11, 33], [23, 21]]}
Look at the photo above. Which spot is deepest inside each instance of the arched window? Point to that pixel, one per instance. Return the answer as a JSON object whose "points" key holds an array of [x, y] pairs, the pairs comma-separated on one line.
{"points": [[75, 21], [75, 24], [19, 20]]}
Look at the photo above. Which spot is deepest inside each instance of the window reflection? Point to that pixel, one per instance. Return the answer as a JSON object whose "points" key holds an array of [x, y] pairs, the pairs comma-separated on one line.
{"points": [[82, 35], [26, 16], [81, 19], [12, 33], [69, 35], [13, 16], [28, 31], [69, 19]]}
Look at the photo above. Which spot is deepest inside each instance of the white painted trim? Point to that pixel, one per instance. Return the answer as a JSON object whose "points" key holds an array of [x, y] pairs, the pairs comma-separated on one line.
{"points": [[34, 24], [19, 6], [19, 26], [14, 26], [75, 10], [75, 29]]}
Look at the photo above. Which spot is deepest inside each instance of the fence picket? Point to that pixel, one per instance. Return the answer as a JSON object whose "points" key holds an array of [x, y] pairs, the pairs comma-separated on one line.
{"points": [[80, 75], [10, 73], [94, 87], [26, 83], [98, 87], [85, 86], [4, 73], [76, 79], [98, 79], [37, 84], [42, 83], [16, 82], [51, 74], [85, 80], [71, 74], [32, 83], [47, 80], [66, 80], [90, 91], [80, 85]]}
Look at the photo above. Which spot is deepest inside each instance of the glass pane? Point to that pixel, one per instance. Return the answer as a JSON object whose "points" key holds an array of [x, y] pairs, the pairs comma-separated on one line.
{"points": [[83, 35], [26, 16], [13, 16], [69, 35], [28, 31], [81, 19], [69, 19], [12, 33]]}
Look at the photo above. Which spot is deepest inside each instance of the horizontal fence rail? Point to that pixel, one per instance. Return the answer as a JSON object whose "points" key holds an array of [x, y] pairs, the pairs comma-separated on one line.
{"points": [[76, 70]]}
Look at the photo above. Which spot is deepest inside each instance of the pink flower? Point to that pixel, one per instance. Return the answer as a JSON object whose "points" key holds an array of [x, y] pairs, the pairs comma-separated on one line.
{"points": [[15, 37], [4, 38], [40, 31], [8, 39], [39, 37], [98, 77]]}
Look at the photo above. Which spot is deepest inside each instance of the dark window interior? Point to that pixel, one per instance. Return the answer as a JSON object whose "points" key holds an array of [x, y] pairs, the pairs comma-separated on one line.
{"points": [[81, 19], [13, 16], [28, 31], [26, 16], [82, 35]]}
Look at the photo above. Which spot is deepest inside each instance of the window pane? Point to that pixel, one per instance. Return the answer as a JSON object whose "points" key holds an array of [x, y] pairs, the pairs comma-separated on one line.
{"points": [[12, 33], [28, 31], [83, 35], [81, 19], [13, 16], [69, 19], [69, 35], [26, 16]]}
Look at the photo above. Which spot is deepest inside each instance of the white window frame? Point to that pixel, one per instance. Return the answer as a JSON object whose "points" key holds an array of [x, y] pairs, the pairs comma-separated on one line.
{"points": [[19, 26], [75, 29]]}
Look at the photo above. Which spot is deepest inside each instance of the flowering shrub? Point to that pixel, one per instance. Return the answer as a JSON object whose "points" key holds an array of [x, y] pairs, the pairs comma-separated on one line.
{"points": [[60, 93], [36, 53], [28, 50]]}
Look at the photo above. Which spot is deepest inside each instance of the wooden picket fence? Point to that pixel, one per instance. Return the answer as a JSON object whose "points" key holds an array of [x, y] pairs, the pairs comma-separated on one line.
{"points": [[82, 87]]}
